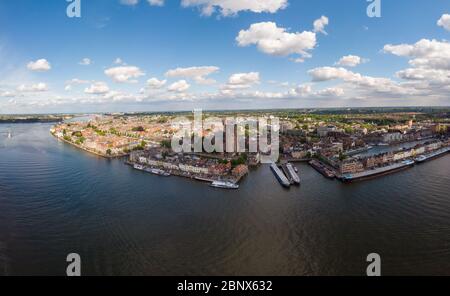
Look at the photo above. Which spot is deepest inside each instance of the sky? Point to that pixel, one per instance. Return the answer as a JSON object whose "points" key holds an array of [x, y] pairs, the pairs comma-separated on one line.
{"points": [[173, 55]]}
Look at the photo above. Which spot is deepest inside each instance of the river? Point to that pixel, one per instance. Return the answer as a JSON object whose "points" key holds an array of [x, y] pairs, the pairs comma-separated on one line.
{"points": [[56, 199]]}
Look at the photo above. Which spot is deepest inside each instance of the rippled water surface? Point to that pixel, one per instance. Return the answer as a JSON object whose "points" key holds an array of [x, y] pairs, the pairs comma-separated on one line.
{"points": [[56, 199]]}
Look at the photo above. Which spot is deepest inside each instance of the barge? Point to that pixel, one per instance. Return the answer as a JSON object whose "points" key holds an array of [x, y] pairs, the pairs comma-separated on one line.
{"points": [[425, 157], [280, 176], [378, 171], [321, 168]]}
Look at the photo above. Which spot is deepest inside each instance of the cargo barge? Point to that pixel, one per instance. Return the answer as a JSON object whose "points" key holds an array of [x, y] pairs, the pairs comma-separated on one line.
{"points": [[321, 168], [280, 176], [376, 172], [425, 157], [292, 175]]}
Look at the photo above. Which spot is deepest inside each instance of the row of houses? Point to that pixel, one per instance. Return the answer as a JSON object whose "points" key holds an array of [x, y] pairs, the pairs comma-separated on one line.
{"points": [[356, 165]]}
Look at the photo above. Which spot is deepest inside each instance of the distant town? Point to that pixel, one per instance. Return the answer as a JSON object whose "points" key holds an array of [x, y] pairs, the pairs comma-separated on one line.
{"points": [[337, 143]]}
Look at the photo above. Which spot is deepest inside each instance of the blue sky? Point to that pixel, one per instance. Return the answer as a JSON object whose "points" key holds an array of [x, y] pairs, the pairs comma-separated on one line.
{"points": [[279, 60]]}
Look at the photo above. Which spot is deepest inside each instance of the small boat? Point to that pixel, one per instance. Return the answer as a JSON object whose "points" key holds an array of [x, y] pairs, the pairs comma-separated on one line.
{"points": [[138, 167], [421, 158], [157, 172], [9, 135], [296, 169], [224, 185]]}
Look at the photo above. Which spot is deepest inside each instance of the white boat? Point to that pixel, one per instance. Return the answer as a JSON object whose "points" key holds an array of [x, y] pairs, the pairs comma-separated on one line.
{"points": [[157, 172], [9, 135], [138, 167], [224, 185], [421, 158]]}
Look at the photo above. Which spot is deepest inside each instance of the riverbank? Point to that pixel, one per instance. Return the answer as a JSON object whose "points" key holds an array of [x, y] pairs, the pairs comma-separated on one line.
{"points": [[104, 155], [191, 175]]}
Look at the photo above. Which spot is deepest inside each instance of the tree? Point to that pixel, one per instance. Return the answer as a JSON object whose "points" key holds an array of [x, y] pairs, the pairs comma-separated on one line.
{"points": [[166, 144], [108, 152], [138, 129]]}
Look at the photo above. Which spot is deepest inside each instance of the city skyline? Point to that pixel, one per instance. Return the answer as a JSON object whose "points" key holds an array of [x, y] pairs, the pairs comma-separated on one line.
{"points": [[134, 55]]}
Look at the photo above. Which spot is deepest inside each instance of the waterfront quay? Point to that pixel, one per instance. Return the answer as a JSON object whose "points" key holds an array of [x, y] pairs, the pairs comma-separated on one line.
{"points": [[189, 165], [360, 168]]}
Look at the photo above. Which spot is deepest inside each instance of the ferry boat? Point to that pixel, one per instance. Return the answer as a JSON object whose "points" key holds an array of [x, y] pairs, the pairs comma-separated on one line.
{"points": [[157, 172], [224, 185], [280, 176]]}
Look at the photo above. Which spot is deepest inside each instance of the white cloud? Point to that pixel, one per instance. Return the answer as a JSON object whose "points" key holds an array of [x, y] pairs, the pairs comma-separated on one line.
{"points": [[97, 88], [85, 62], [444, 22], [124, 74], [7, 94], [73, 82], [242, 81], [76, 81], [179, 86], [155, 83], [232, 7], [129, 2], [320, 24], [37, 87], [362, 82], [273, 40], [156, 2], [119, 61], [199, 74], [425, 53], [40, 65], [151, 2], [350, 61]]}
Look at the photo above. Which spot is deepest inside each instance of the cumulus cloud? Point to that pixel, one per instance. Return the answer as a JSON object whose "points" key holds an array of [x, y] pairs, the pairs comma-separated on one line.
{"points": [[40, 65], [350, 61], [320, 24], [37, 87], [155, 83], [119, 61], [124, 74], [156, 2], [274, 40], [75, 81], [151, 2], [242, 80], [444, 22], [368, 84], [179, 86], [129, 2], [7, 94], [425, 53], [85, 62], [232, 7], [199, 74], [97, 88]]}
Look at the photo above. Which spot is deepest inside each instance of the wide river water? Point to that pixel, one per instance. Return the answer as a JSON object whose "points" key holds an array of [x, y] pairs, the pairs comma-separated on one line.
{"points": [[56, 199]]}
